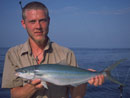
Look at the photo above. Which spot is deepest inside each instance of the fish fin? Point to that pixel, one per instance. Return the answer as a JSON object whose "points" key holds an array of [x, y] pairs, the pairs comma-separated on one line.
{"points": [[110, 68], [44, 84], [111, 78]]}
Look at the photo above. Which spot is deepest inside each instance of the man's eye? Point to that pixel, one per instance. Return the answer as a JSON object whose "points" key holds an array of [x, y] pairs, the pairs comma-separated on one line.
{"points": [[43, 20], [32, 21]]}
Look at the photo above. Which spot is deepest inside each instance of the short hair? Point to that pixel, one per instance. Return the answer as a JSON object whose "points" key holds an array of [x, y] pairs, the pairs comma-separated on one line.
{"points": [[34, 5]]}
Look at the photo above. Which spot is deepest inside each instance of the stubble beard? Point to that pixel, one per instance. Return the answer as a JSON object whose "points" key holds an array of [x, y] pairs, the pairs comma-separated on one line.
{"points": [[39, 42]]}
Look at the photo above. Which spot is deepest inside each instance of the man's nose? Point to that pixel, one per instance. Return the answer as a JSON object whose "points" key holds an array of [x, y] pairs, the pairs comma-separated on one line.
{"points": [[38, 25]]}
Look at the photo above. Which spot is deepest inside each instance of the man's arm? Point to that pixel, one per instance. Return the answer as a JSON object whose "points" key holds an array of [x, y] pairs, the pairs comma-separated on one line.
{"points": [[79, 91], [27, 90]]}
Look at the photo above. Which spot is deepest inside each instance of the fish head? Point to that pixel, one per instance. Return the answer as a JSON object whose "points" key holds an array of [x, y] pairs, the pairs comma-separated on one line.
{"points": [[27, 72]]}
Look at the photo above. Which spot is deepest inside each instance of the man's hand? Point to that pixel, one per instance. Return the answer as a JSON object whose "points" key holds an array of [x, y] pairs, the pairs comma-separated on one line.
{"points": [[36, 83], [96, 81], [27, 90]]}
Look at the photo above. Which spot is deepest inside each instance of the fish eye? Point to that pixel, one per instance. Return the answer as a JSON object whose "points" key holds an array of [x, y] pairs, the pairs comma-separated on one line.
{"points": [[24, 71]]}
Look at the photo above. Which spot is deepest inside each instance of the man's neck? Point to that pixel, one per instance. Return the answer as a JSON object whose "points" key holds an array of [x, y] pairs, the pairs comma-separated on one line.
{"points": [[38, 49], [37, 46]]}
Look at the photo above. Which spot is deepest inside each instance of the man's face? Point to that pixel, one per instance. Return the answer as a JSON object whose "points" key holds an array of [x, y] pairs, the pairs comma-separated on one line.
{"points": [[37, 24]]}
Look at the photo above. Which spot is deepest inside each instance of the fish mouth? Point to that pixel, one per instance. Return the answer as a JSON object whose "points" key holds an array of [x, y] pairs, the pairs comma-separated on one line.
{"points": [[17, 74]]}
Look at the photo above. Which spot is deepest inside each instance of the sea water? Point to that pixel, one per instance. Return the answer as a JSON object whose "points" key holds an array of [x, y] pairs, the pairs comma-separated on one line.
{"points": [[97, 59]]}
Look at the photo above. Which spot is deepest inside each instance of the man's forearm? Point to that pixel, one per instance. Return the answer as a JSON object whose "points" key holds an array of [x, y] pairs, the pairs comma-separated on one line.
{"points": [[23, 92], [27, 90]]}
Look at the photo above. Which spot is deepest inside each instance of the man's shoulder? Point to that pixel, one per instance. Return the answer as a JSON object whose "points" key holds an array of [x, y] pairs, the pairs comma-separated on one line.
{"points": [[16, 49], [60, 48], [66, 55]]}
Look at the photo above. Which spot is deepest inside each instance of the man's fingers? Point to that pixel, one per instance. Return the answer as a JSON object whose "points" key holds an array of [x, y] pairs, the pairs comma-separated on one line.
{"points": [[39, 86], [96, 81], [35, 82], [91, 81], [101, 79], [92, 70]]}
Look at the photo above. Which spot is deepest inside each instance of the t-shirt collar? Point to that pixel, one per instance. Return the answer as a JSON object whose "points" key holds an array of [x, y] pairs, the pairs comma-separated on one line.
{"points": [[27, 49]]}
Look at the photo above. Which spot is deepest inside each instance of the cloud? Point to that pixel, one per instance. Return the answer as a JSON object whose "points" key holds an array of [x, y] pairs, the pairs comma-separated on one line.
{"points": [[112, 12]]}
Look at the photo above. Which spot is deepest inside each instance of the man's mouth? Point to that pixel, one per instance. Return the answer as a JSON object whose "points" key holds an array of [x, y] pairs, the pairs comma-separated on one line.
{"points": [[38, 33]]}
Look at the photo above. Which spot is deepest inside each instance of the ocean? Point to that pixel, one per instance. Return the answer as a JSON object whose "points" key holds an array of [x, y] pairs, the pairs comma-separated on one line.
{"points": [[97, 59]]}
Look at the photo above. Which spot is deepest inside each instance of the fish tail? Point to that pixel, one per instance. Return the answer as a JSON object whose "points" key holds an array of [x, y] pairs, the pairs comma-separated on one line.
{"points": [[110, 68]]}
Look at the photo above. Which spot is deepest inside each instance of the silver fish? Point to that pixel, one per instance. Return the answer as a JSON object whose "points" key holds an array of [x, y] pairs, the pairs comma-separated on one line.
{"points": [[63, 74]]}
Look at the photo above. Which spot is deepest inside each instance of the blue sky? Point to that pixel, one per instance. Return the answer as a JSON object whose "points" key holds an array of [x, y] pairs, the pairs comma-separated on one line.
{"points": [[74, 23]]}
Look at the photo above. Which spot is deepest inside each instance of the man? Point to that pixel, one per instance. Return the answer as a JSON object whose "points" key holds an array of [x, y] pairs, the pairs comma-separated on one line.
{"points": [[39, 50]]}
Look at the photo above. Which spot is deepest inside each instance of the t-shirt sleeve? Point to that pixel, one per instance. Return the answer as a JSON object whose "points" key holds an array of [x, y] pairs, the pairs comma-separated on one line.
{"points": [[71, 59], [9, 79]]}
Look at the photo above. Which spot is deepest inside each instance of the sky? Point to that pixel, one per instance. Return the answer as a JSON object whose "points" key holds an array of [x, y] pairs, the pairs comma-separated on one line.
{"points": [[74, 23]]}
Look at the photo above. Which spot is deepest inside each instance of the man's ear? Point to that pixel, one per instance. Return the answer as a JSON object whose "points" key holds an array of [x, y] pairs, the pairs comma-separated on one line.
{"points": [[23, 23]]}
